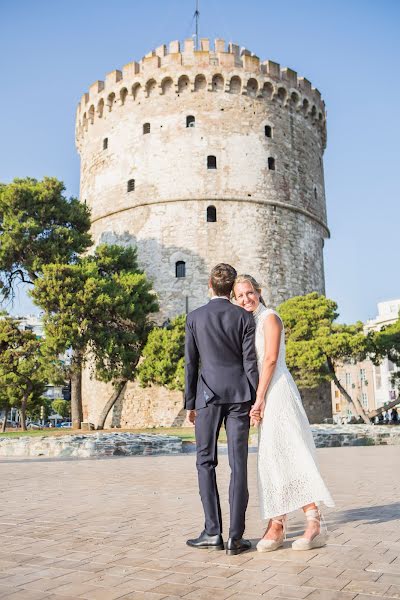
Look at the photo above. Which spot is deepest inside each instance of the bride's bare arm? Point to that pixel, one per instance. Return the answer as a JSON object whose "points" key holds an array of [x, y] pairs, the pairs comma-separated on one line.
{"points": [[272, 339]]}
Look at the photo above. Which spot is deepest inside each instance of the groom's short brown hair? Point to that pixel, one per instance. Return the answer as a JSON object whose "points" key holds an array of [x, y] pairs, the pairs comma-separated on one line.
{"points": [[222, 279]]}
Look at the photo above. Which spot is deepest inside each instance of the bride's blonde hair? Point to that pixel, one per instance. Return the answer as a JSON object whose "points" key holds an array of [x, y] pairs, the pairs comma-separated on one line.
{"points": [[249, 279]]}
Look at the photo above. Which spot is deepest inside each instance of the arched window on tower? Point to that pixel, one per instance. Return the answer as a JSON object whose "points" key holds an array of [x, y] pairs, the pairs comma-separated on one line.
{"points": [[146, 128], [211, 214], [105, 143], [190, 121], [268, 131], [180, 269], [211, 162], [271, 163], [130, 185], [315, 193]]}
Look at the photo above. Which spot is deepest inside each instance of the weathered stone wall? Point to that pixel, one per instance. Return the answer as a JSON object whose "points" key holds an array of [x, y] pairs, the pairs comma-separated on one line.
{"points": [[270, 222], [91, 445], [139, 408]]}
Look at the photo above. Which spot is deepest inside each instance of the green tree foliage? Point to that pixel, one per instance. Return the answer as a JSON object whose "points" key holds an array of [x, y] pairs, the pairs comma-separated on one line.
{"points": [[23, 367], [315, 345], [163, 356], [99, 307], [38, 226], [35, 406], [61, 407], [386, 344]]}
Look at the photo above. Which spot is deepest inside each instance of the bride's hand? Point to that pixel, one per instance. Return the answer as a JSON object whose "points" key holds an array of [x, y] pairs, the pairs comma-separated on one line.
{"points": [[257, 412]]}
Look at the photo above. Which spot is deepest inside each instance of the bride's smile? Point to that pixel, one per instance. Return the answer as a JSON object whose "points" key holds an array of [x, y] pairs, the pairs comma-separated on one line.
{"points": [[246, 296]]}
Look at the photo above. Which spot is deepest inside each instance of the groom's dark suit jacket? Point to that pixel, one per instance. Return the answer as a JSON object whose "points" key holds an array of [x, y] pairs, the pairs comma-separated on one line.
{"points": [[220, 356]]}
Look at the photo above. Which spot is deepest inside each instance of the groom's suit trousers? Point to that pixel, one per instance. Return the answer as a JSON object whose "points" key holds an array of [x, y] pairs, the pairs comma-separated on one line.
{"points": [[207, 425]]}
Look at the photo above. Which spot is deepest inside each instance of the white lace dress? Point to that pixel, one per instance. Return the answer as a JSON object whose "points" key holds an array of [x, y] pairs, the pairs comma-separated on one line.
{"points": [[288, 474]]}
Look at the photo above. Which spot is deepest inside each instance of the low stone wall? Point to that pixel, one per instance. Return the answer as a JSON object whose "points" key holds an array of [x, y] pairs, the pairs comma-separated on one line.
{"points": [[329, 436], [333, 436], [91, 445], [131, 444]]}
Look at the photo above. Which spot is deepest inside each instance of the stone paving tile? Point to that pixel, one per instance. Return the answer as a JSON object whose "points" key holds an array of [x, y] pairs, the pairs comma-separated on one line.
{"points": [[77, 590], [174, 589], [122, 524], [367, 587], [23, 594], [368, 597], [183, 578], [393, 579], [210, 594], [329, 583], [136, 585], [253, 587], [331, 595], [320, 571], [360, 575], [289, 591], [144, 596], [288, 579], [101, 594]]}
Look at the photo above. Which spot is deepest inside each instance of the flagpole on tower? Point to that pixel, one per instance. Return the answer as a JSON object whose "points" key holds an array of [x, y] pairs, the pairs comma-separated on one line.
{"points": [[196, 16]]}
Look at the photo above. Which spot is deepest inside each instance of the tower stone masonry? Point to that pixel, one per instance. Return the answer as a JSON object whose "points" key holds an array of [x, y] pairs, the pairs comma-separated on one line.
{"points": [[205, 156]]}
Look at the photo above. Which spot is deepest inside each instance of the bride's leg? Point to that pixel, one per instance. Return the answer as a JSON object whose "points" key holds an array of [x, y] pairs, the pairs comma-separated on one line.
{"points": [[274, 535], [274, 529], [313, 537], [313, 526]]}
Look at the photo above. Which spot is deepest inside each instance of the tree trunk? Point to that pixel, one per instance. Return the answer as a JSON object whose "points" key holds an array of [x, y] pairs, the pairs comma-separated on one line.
{"points": [[120, 388], [76, 397], [378, 411], [23, 411], [353, 402], [4, 425]]}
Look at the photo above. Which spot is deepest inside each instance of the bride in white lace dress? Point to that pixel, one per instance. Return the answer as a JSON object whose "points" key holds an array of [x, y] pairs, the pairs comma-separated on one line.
{"points": [[288, 474]]}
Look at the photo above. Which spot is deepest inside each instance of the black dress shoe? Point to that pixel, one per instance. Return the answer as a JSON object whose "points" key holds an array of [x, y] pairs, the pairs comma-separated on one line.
{"points": [[207, 542], [237, 546]]}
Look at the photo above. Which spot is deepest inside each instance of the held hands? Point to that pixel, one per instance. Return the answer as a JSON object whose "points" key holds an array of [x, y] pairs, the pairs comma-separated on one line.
{"points": [[257, 412], [191, 416]]}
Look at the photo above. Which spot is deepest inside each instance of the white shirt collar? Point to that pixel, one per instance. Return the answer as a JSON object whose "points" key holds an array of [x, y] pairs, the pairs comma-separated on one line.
{"points": [[219, 298]]}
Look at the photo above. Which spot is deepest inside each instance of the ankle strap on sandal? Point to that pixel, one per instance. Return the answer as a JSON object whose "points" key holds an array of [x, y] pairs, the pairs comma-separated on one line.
{"points": [[313, 514]]}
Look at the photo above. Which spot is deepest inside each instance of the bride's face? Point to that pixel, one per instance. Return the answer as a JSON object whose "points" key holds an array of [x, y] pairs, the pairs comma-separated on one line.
{"points": [[246, 296]]}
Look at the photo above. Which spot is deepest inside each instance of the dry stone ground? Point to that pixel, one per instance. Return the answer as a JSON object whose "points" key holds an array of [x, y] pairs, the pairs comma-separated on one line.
{"points": [[116, 528]]}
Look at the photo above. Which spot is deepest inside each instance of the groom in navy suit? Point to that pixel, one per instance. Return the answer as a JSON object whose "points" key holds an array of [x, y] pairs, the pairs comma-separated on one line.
{"points": [[221, 379]]}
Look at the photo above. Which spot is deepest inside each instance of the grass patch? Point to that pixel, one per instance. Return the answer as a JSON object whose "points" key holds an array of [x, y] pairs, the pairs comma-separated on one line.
{"points": [[185, 433]]}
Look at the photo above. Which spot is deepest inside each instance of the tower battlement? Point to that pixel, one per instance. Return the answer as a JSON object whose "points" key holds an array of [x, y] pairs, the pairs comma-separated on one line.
{"points": [[180, 68]]}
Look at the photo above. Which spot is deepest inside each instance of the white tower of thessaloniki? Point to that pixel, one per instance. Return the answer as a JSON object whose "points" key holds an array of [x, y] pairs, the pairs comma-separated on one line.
{"points": [[205, 156]]}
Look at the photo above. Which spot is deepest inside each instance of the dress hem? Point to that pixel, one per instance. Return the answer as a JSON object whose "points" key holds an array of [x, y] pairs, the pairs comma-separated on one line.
{"points": [[285, 511]]}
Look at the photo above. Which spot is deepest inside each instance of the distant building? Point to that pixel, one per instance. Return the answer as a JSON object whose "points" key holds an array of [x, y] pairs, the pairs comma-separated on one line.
{"points": [[371, 384], [30, 323]]}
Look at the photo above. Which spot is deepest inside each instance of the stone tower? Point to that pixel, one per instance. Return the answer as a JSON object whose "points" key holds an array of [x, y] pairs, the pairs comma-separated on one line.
{"points": [[205, 156]]}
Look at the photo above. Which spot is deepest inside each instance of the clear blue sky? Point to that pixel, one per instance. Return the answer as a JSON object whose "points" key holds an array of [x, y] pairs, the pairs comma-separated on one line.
{"points": [[52, 50]]}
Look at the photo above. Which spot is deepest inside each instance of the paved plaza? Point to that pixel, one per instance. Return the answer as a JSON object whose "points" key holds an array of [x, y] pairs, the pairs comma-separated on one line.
{"points": [[116, 528]]}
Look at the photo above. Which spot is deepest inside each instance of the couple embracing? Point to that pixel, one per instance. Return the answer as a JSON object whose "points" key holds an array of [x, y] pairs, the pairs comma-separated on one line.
{"points": [[235, 373]]}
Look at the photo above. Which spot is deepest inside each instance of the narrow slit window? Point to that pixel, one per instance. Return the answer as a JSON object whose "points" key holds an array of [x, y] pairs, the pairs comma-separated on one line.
{"points": [[271, 163], [146, 128], [315, 193], [211, 214], [211, 162], [131, 185], [105, 143], [180, 269], [190, 121], [268, 131]]}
